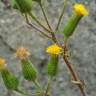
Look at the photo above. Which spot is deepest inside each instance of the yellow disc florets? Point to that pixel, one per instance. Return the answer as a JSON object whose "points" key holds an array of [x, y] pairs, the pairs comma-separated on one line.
{"points": [[54, 49], [2, 63], [22, 53], [80, 9]]}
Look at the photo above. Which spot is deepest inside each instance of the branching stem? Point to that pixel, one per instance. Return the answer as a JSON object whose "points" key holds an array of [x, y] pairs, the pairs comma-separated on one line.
{"points": [[45, 15], [33, 17], [37, 29]]}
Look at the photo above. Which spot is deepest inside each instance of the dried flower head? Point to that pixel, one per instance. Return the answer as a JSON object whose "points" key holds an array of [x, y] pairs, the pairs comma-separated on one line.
{"points": [[54, 49], [22, 53], [80, 9]]}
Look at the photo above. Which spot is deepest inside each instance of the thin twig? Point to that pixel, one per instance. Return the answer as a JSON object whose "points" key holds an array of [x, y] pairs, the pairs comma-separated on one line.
{"points": [[23, 93], [33, 17], [38, 85], [60, 18], [38, 30], [54, 38], [45, 15], [48, 86]]}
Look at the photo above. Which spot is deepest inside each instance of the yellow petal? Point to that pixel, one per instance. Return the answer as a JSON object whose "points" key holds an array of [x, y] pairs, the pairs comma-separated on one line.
{"points": [[53, 49], [2, 63], [80, 9]]}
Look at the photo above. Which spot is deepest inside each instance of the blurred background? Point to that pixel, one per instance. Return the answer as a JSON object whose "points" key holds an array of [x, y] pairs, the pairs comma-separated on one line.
{"points": [[14, 32]]}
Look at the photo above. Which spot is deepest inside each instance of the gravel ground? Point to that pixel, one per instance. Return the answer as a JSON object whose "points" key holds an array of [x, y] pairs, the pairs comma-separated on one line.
{"points": [[14, 33]]}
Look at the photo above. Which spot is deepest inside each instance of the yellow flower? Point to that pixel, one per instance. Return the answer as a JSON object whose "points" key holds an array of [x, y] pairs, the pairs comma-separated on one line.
{"points": [[22, 53], [80, 9], [2, 63], [53, 49]]}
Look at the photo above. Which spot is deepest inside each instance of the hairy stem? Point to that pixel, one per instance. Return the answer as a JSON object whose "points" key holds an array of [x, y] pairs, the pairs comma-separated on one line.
{"points": [[74, 75]]}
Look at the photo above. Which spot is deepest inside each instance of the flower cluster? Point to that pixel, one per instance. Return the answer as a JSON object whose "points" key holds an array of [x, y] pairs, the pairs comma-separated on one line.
{"points": [[29, 71]]}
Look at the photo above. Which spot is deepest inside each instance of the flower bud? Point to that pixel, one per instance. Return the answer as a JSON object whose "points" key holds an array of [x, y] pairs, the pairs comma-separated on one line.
{"points": [[14, 4], [54, 50], [2, 63], [22, 53], [9, 79], [29, 71], [24, 6], [70, 26], [52, 65]]}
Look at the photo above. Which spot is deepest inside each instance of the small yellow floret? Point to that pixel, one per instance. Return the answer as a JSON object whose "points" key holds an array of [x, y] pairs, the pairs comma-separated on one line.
{"points": [[80, 9], [2, 63], [53, 49], [22, 53]]}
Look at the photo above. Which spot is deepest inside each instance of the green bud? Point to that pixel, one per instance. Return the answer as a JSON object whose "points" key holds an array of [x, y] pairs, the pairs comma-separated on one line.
{"points": [[52, 65], [9, 79], [71, 25], [29, 71], [24, 6], [14, 4]]}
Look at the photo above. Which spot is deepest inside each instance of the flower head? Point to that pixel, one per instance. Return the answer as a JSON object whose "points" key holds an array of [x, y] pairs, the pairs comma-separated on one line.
{"points": [[22, 53], [80, 9], [2, 63], [53, 49]]}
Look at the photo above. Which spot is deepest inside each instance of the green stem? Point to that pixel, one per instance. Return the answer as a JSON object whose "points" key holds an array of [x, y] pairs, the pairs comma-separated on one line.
{"points": [[32, 16], [21, 92], [60, 18], [25, 94], [48, 86], [45, 15], [38, 85]]}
